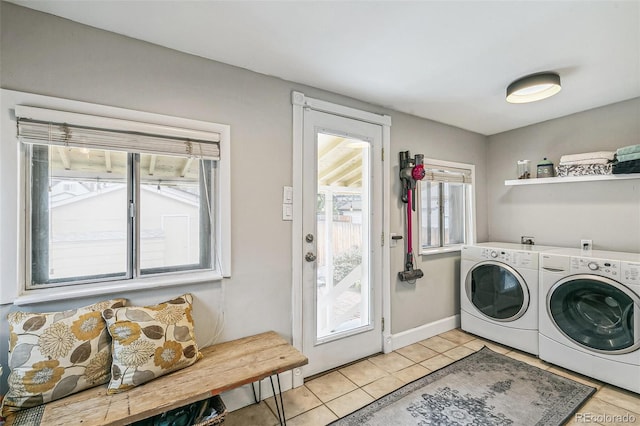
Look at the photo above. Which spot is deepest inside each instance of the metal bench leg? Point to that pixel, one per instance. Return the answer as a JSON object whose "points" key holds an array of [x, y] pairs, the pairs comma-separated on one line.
{"points": [[279, 407], [257, 397]]}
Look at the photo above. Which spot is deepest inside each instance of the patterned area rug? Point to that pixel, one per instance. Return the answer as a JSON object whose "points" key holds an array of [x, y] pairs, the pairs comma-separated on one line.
{"points": [[484, 388]]}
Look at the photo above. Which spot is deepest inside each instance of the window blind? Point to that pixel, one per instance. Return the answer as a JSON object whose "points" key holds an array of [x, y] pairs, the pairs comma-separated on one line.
{"points": [[436, 173], [49, 127]]}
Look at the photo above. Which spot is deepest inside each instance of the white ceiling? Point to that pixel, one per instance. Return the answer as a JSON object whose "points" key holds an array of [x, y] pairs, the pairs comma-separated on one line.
{"points": [[448, 61]]}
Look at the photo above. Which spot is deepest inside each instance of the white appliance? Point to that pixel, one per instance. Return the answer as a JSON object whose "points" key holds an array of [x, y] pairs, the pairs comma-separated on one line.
{"points": [[499, 293], [590, 314]]}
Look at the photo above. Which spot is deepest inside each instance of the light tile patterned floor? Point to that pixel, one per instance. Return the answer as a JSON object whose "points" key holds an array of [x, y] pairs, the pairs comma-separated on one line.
{"points": [[336, 394]]}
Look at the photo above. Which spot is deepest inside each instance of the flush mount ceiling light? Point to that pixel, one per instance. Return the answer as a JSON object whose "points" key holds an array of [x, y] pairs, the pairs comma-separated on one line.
{"points": [[533, 87]]}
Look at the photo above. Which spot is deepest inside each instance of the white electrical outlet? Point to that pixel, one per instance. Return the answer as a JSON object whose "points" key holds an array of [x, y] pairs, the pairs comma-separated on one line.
{"points": [[527, 240], [586, 245]]}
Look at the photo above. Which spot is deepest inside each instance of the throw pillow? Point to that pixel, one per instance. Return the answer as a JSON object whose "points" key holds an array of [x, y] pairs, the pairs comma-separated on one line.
{"points": [[55, 354], [149, 342]]}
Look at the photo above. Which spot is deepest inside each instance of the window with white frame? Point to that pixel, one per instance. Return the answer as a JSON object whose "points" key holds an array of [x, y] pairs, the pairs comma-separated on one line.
{"points": [[446, 208], [110, 199]]}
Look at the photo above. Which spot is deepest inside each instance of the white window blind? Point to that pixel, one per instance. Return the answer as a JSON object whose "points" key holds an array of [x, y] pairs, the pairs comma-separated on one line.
{"points": [[50, 127], [438, 173]]}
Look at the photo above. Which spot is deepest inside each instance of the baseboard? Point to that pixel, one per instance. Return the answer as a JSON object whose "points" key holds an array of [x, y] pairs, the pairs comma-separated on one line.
{"points": [[237, 398], [409, 337]]}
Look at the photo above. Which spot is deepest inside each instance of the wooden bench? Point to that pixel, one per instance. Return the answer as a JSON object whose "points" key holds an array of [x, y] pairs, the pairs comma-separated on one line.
{"points": [[224, 366]]}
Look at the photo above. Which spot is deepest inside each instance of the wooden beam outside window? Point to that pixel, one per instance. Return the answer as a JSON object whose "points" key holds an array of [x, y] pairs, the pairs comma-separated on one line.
{"points": [[64, 157], [152, 164]]}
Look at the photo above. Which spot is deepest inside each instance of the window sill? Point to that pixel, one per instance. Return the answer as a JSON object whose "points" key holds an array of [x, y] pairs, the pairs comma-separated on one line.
{"points": [[440, 250], [29, 297]]}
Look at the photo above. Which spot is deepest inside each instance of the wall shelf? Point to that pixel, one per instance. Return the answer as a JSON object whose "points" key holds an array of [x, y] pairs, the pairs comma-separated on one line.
{"points": [[567, 179]]}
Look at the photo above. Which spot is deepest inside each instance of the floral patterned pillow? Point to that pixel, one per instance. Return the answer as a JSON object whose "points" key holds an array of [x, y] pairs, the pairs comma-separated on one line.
{"points": [[149, 342], [52, 355]]}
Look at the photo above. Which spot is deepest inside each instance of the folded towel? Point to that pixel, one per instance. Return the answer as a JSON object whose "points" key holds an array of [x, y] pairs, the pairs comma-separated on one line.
{"points": [[607, 155], [628, 157], [631, 166], [584, 170], [628, 149], [627, 171], [589, 161]]}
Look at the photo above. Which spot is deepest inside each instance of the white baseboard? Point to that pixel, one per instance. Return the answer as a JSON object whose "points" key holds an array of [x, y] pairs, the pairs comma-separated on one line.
{"points": [[409, 337], [237, 398]]}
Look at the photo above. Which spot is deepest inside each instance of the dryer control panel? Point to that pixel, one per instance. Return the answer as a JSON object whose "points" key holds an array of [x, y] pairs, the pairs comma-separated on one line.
{"points": [[602, 267], [521, 259]]}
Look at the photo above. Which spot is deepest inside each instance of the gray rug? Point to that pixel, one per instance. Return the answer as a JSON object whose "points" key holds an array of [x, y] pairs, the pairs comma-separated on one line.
{"points": [[484, 388]]}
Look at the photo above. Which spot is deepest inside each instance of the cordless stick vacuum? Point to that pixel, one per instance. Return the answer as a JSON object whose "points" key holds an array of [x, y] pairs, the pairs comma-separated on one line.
{"points": [[411, 171]]}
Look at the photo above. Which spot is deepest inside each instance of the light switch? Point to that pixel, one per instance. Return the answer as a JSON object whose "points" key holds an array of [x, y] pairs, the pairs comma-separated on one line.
{"points": [[287, 212], [287, 195]]}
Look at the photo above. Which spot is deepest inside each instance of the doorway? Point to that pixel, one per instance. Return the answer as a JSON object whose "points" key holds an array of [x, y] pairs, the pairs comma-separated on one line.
{"points": [[342, 227]]}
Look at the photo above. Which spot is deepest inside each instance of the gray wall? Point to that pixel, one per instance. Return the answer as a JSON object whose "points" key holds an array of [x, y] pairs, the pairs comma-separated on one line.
{"points": [[606, 212], [436, 295], [43, 54]]}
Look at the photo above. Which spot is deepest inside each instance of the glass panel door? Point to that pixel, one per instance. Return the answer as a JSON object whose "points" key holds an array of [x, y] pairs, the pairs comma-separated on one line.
{"points": [[342, 256], [594, 312], [497, 291], [343, 284]]}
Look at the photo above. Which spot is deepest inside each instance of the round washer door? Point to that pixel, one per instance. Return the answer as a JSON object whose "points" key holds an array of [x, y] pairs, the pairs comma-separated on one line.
{"points": [[497, 291], [595, 312]]}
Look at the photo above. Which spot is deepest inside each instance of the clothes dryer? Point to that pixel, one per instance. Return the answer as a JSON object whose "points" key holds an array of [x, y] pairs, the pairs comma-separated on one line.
{"points": [[499, 293], [590, 314]]}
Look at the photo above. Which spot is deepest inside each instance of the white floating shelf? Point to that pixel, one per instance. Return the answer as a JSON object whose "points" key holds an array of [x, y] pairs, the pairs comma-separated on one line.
{"points": [[567, 179]]}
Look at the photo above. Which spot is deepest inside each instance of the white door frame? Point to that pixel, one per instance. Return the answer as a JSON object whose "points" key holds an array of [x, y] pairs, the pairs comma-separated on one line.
{"points": [[300, 102]]}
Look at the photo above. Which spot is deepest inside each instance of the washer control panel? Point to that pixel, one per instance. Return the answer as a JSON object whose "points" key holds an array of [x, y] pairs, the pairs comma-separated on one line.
{"points": [[522, 259], [602, 267], [630, 272]]}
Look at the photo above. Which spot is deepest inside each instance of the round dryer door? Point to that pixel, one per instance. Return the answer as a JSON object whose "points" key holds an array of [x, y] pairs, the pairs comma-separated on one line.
{"points": [[595, 312], [497, 291]]}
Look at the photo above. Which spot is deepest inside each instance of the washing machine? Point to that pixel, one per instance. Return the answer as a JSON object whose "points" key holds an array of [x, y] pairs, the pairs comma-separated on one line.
{"points": [[590, 314], [499, 293]]}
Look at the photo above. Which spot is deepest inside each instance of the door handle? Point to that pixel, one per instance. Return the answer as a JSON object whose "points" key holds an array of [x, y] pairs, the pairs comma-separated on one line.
{"points": [[309, 257]]}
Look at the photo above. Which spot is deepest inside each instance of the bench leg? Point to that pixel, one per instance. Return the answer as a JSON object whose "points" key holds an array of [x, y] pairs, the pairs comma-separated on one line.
{"points": [[279, 407], [257, 397]]}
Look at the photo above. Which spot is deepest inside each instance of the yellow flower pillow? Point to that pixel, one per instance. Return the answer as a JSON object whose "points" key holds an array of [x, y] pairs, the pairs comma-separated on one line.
{"points": [[52, 355], [149, 342]]}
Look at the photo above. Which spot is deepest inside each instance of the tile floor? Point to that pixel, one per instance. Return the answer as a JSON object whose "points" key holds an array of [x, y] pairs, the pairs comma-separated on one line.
{"points": [[338, 393]]}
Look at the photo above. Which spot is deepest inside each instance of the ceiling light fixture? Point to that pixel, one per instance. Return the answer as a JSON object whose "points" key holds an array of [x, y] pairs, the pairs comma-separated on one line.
{"points": [[533, 87]]}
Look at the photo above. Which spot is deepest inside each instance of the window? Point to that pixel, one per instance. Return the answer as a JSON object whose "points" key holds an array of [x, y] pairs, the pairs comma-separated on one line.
{"points": [[112, 200], [446, 206]]}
